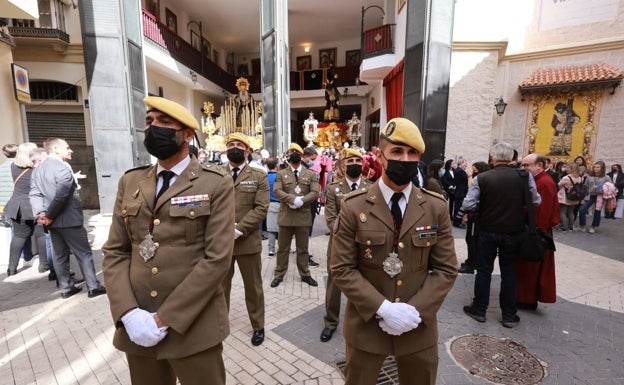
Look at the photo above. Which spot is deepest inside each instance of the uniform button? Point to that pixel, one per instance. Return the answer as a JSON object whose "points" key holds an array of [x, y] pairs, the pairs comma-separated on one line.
{"points": [[192, 213], [123, 212], [401, 245], [397, 299], [154, 270], [428, 244], [154, 294], [399, 282], [156, 245], [156, 222], [368, 242]]}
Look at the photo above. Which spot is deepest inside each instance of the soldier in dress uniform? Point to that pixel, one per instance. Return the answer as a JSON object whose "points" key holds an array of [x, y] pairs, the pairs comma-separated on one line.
{"points": [[251, 194], [351, 166], [393, 257], [167, 254], [296, 187]]}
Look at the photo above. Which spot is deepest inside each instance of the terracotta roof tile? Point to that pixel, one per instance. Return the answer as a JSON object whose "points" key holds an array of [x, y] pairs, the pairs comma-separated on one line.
{"points": [[585, 73]]}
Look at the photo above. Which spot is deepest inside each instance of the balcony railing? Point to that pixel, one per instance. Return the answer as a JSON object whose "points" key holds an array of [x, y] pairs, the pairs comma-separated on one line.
{"points": [[315, 79], [42, 33], [185, 53], [378, 41]]}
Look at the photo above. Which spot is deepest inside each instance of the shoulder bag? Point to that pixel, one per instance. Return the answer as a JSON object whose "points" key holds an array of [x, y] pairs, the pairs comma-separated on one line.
{"points": [[535, 242]]}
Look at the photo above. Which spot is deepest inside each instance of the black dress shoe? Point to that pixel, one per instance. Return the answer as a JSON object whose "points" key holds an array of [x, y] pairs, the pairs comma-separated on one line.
{"points": [[258, 337], [327, 334], [276, 282], [97, 291], [312, 263], [465, 269], [11, 272], [52, 276], [511, 322], [73, 290], [310, 281], [474, 314]]}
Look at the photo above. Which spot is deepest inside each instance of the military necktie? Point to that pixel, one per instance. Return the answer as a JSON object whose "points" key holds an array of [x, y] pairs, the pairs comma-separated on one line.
{"points": [[166, 175], [397, 214], [354, 186], [235, 173]]}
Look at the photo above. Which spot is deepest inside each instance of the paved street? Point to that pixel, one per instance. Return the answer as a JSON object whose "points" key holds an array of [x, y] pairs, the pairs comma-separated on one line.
{"points": [[580, 339]]}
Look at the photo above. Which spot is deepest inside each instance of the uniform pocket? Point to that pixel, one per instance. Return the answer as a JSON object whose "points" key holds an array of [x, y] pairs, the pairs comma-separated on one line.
{"points": [[192, 218], [372, 250], [422, 242], [129, 213]]}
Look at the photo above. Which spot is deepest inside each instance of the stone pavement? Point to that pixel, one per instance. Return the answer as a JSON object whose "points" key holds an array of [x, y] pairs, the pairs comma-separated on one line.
{"points": [[580, 340]]}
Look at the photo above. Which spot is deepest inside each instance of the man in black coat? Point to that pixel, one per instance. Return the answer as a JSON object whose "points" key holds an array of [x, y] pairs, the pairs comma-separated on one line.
{"points": [[461, 189]]}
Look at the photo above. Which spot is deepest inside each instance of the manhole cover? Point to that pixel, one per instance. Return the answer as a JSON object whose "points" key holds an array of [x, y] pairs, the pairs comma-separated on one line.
{"points": [[388, 375], [498, 360]]}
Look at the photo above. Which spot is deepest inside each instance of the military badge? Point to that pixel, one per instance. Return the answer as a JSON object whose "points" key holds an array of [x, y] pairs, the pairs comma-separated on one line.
{"points": [[147, 248], [392, 265], [368, 254], [363, 218]]}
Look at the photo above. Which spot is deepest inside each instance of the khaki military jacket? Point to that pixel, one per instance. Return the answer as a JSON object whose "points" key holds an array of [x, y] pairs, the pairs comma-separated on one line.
{"points": [[251, 197], [193, 231], [287, 188], [361, 242]]}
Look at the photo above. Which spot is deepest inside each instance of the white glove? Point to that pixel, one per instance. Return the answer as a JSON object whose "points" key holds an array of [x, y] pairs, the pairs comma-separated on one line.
{"points": [[399, 316], [298, 202], [237, 233], [142, 329], [384, 326]]}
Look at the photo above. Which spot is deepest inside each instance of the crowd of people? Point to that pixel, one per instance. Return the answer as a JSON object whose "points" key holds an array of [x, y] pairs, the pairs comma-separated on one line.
{"points": [[178, 233], [45, 206]]}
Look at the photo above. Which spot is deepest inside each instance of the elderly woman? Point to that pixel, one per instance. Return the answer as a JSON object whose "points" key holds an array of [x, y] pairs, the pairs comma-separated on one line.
{"points": [[19, 210]]}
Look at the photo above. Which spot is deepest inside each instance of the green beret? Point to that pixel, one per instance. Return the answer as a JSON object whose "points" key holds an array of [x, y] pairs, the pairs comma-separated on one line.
{"points": [[403, 132], [239, 136], [347, 153], [296, 147], [173, 109]]}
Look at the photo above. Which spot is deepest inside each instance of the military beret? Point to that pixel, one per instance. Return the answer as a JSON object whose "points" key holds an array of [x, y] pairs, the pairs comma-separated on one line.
{"points": [[296, 147], [346, 153], [239, 136], [403, 132], [173, 109]]}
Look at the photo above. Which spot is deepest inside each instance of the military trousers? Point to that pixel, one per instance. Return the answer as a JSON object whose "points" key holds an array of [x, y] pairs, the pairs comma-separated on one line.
{"points": [[284, 238], [250, 266]]}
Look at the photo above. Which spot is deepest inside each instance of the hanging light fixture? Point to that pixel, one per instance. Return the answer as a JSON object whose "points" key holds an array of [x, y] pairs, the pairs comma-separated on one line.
{"points": [[500, 106]]}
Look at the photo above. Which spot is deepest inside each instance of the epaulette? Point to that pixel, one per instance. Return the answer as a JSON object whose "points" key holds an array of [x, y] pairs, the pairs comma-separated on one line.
{"points": [[433, 193], [139, 168], [214, 168], [355, 193]]}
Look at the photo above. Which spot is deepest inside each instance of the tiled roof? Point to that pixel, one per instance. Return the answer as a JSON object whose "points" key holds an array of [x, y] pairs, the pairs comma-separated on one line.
{"points": [[570, 75]]}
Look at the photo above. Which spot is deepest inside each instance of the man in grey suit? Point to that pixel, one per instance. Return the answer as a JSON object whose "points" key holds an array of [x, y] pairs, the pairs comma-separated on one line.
{"points": [[57, 205]]}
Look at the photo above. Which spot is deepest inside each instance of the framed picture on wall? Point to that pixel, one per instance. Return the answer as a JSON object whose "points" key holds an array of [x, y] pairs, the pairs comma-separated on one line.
{"points": [[153, 7], [215, 56], [304, 63], [206, 48], [353, 58], [327, 57], [172, 20], [243, 69], [195, 40]]}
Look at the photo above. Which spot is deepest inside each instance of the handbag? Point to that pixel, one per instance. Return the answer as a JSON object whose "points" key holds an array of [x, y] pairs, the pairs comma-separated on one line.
{"points": [[535, 241]]}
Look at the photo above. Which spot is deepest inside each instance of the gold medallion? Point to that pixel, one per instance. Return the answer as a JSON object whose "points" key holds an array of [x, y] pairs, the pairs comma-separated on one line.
{"points": [[297, 189]]}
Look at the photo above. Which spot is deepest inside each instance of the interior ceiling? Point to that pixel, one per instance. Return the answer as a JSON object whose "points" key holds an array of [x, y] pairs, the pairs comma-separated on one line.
{"points": [[235, 24]]}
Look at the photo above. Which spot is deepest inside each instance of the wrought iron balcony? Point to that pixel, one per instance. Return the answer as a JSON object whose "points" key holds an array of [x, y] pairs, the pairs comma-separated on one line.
{"points": [[378, 41], [185, 53], [39, 33]]}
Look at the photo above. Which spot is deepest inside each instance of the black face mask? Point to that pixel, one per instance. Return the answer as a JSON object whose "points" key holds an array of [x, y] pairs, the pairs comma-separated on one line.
{"points": [[236, 155], [401, 172], [161, 142], [354, 170], [295, 158]]}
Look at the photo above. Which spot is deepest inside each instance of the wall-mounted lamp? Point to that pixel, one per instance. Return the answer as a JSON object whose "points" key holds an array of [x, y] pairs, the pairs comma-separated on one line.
{"points": [[357, 81], [306, 49], [193, 77], [500, 106]]}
